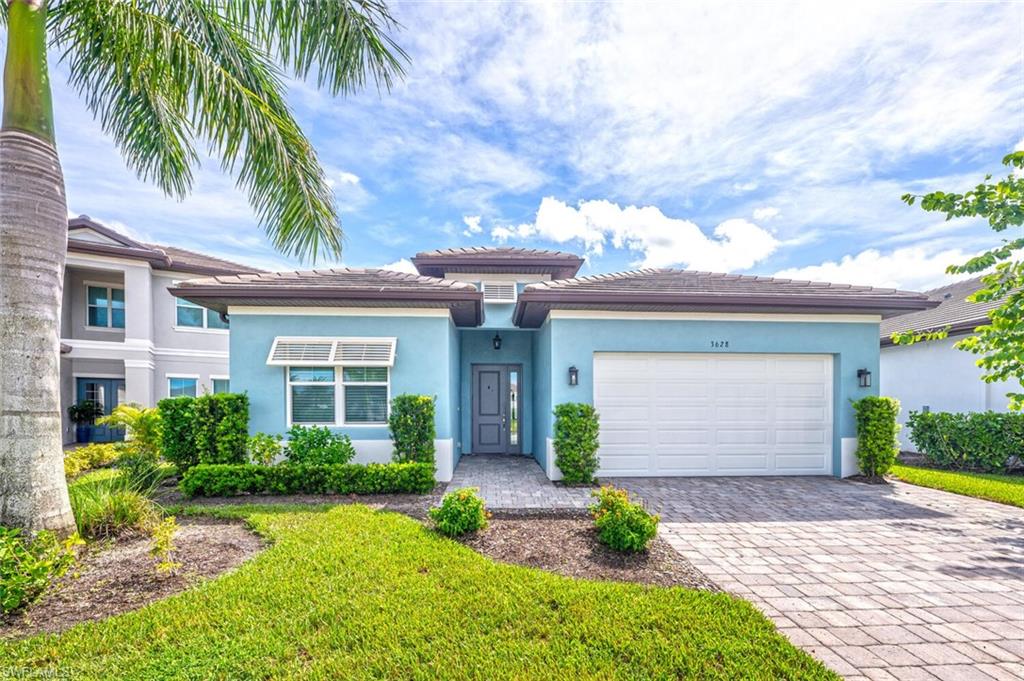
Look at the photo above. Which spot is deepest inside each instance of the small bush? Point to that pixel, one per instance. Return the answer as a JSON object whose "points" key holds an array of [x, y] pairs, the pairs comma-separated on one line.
{"points": [[177, 439], [163, 548], [412, 428], [82, 459], [318, 446], [621, 524], [143, 428], [221, 427], [27, 566], [111, 506], [264, 449], [460, 512], [877, 446], [988, 442], [219, 480], [575, 441]]}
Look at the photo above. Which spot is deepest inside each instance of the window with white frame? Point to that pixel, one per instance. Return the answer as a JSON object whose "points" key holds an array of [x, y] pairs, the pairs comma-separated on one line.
{"points": [[311, 392], [190, 315], [338, 396], [499, 291], [365, 391], [182, 386], [221, 385], [104, 306]]}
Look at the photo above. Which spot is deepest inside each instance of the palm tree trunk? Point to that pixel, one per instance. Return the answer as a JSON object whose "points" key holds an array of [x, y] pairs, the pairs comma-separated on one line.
{"points": [[33, 243]]}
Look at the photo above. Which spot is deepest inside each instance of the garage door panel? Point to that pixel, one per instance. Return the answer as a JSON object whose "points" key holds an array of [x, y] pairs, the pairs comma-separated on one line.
{"points": [[714, 414]]}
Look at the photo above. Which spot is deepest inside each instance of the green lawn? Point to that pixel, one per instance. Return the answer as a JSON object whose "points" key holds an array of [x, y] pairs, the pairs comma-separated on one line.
{"points": [[349, 592], [1006, 489]]}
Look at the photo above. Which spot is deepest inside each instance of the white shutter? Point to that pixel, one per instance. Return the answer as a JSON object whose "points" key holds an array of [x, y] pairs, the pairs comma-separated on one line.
{"points": [[315, 351], [301, 352], [499, 292]]}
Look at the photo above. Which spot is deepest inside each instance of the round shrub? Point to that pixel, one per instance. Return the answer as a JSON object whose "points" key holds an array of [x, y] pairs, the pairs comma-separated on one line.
{"points": [[621, 524], [264, 449], [318, 446], [877, 446], [460, 512], [575, 441]]}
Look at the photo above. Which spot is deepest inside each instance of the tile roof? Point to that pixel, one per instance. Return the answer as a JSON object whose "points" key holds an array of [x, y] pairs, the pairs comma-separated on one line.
{"points": [[684, 290], [159, 256], [341, 287], [953, 311], [497, 259]]}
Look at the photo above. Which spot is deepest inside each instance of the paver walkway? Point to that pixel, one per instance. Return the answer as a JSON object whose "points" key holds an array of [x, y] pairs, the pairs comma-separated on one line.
{"points": [[515, 482], [877, 581]]}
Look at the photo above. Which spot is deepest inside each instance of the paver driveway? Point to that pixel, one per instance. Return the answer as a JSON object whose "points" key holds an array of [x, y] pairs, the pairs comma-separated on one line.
{"points": [[877, 581]]}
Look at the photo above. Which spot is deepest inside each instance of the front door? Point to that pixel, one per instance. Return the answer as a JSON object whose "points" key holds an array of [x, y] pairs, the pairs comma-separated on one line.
{"points": [[497, 405], [108, 393]]}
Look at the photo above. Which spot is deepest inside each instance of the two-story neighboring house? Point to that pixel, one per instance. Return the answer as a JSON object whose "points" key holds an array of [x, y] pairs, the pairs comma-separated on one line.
{"points": [[124, 337]]}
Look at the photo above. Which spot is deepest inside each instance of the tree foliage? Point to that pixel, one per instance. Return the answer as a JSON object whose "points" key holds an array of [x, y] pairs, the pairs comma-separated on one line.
{"points": [[1000, 343]]}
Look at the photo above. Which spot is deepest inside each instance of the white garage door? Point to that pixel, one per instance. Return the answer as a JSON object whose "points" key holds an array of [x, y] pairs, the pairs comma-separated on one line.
{"points": [[714, 414]]}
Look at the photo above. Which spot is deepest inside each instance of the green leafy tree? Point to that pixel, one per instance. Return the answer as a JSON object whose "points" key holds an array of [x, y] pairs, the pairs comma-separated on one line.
{"points": [[1000, 342], [162, 77]]}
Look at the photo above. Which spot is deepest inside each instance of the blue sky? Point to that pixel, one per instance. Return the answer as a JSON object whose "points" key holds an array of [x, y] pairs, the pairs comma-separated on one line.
{"points": [[758, 138]]}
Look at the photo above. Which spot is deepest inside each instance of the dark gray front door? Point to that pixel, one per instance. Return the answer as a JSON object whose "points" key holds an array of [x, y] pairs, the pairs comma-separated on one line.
{"points": [[497, 427]]}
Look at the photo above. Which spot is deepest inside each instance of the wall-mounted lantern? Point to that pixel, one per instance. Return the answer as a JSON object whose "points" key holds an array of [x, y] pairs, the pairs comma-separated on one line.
{"points": [[864, 378], [574, 376], [497, 342]]}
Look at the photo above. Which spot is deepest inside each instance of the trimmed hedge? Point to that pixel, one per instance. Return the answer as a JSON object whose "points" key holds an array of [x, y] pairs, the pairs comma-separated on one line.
{"points": [[222, 480], [412, 428], [177, 442], [575, 441], [877, 446], [221, 423], [980, 441], [206, 429]]}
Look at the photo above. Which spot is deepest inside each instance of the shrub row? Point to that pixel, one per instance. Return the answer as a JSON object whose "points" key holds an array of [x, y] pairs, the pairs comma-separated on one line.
{"points": [[208, 429], [979, 441], [82, 459], [217, 480]]}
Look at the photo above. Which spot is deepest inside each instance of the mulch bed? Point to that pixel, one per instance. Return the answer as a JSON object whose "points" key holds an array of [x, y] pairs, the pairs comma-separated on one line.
{"points": [[119, 575], [568, 545]]}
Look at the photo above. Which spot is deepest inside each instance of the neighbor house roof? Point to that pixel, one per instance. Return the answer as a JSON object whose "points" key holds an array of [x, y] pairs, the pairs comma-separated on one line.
{"points": [[685, 291], [952, 310], [498, 260], [106, 241], [340, 287]]}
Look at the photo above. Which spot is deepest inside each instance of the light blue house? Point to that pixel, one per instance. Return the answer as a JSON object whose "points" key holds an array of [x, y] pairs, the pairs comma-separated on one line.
{"points": [[692, 373]]}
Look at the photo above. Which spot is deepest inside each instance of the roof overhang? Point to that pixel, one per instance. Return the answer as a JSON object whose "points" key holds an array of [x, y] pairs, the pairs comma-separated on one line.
{"points": [[465, 305], [563, 267], [958, 329], [533, 306]]}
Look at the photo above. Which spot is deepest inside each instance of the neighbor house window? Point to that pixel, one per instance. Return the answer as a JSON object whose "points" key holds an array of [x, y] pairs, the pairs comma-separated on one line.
{"points": [[366, 394], [104, 307], [315, 394], [182, 387], [221, 385], [194, 316]]}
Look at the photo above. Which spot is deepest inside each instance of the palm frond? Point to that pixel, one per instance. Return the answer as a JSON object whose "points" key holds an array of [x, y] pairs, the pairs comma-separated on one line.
{"points": [[346, 42], [160, 73]]}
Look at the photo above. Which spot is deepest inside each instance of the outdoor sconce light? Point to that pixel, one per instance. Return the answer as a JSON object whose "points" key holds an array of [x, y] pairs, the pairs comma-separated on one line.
{"points": [[574, 376], [864, 378], [497, 342]]}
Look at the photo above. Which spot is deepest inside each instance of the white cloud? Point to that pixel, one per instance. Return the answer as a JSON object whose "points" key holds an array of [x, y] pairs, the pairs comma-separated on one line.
{"points": [[472, 225], [661, 240], [914, 268], [403, 265], [765, 213]]}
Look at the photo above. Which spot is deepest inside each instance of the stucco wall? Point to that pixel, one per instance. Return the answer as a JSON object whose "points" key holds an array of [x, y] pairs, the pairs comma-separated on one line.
{"points": [[854, 345], [541, 419], [937, 375], [165, 333]]}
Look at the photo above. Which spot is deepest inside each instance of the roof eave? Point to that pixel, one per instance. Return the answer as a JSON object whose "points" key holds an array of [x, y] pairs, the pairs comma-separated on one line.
{"points": [[435, 266], [957, 329]]}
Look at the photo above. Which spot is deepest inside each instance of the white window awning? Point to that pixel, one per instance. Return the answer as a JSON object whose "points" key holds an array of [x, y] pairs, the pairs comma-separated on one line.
{"points": [[322, 351]]}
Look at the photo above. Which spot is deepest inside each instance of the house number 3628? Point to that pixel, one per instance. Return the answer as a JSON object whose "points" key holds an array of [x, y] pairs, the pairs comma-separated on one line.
{"points": [[719, 343]]}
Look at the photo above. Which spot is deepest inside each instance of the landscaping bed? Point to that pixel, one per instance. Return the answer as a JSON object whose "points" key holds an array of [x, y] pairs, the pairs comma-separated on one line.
{"points": [[350, 590], [118, 575], [567, 545]]}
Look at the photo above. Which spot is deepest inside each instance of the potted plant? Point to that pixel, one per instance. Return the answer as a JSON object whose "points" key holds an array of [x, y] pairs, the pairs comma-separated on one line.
{"points": [[83, 415]]}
